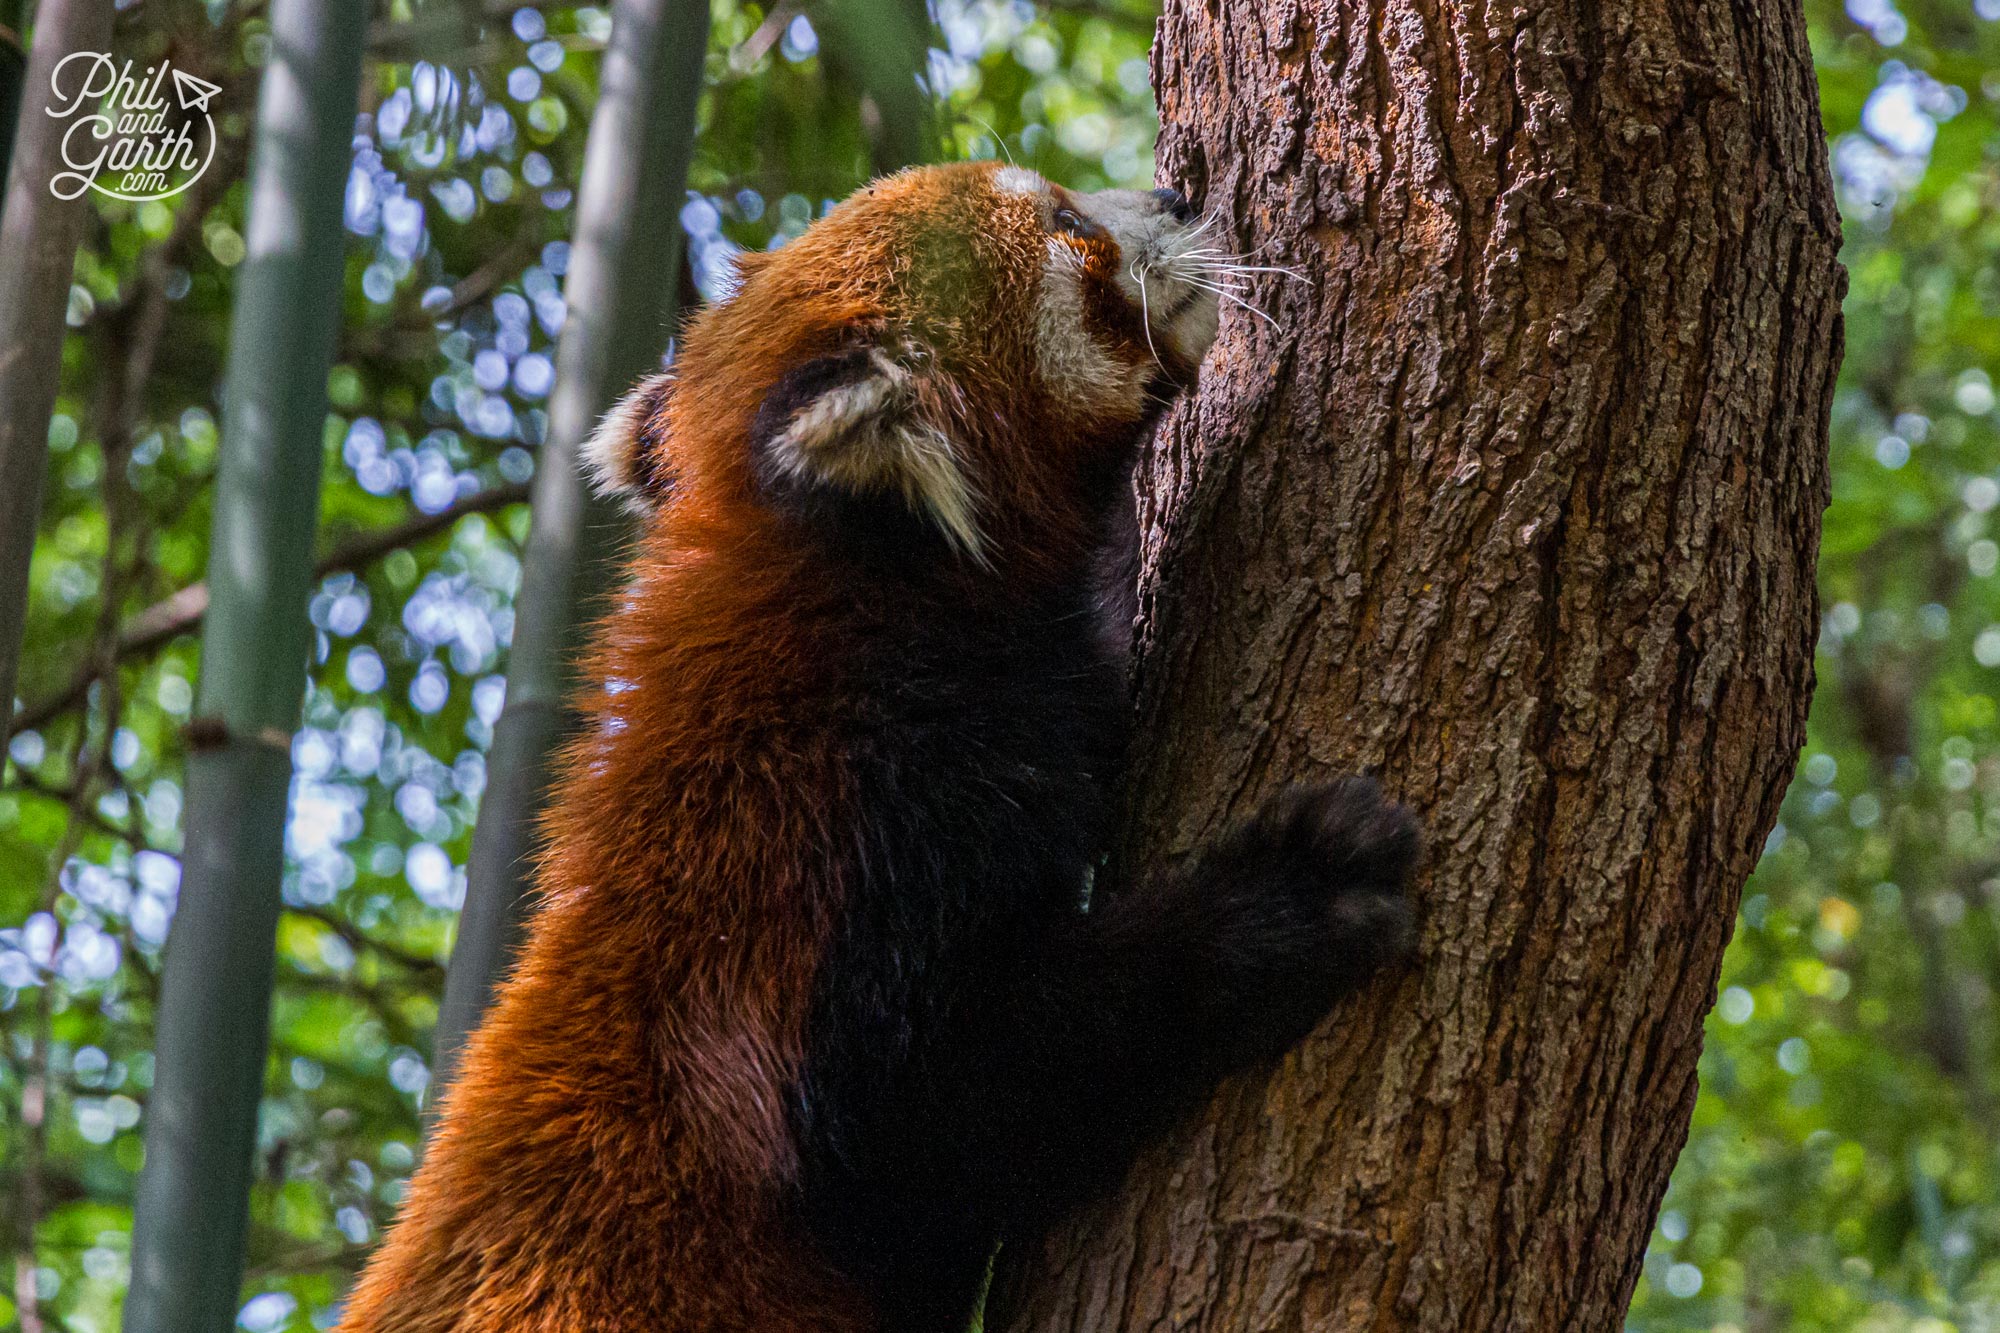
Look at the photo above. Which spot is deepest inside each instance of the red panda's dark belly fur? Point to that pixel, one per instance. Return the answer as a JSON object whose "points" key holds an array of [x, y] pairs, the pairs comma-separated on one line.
{"points": [[983, 768]]}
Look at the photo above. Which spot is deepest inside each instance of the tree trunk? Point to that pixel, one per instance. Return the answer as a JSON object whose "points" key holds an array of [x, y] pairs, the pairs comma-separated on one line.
{"points": [[1517, 505]]}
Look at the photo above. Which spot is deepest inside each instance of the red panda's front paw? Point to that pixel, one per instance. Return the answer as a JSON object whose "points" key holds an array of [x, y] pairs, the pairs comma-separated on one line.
{"points": [[1345, 845], [1304, 901]]}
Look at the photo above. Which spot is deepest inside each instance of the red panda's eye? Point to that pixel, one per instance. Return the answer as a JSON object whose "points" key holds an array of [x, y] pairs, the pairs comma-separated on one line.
{"points": [[1072, 223]]}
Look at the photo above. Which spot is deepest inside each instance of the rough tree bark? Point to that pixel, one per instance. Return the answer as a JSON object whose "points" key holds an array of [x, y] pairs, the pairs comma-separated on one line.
{"points": [[1516, 505]]}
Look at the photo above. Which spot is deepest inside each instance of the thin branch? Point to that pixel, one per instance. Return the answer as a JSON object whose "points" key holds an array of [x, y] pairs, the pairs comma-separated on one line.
{"points": [[131, 332], [305, 1259], [413, 322], [484, 280], [181, 612], [68, 797], [360, 940], [79, 806], [384, 1003], [1881, 691], [752, 48]]}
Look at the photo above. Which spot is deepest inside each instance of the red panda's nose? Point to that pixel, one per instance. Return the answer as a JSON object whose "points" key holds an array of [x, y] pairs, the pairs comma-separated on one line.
{"points": [[1175, 203]]}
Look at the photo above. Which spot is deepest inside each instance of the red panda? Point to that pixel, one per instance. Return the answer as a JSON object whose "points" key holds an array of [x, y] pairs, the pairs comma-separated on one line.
{"points": [[810, 1015]]}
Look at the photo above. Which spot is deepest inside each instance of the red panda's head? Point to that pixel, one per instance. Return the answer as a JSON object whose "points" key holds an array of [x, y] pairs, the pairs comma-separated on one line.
{"points": [[964, 347]]}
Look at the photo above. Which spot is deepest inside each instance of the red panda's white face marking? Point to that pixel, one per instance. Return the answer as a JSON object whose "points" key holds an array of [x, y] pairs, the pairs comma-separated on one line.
{"points": [[969, 343], [1148, 246]]}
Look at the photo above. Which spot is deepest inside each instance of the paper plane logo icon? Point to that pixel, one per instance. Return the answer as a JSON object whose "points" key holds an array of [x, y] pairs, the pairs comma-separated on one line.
{"points": [[194, 93]]}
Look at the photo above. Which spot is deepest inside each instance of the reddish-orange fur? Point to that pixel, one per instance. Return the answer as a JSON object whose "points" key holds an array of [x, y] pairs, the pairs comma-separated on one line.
{"points": [[601, 1108]]}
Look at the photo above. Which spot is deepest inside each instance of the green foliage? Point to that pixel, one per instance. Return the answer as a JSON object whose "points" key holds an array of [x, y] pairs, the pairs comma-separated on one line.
{"points": [[1841, 1172]]}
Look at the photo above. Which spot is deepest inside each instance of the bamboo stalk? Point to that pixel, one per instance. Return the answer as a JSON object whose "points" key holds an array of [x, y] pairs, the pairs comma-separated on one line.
{"points": [[13, 75], [38, 236], [214, 1011], [621, 300]]}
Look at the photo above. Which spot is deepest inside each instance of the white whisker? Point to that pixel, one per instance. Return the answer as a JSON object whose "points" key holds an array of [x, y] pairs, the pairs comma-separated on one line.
{"points": [[1138, 272], [1234, 299], [1203, 284], [1207, 275], [1002, 143], [1262, 268], [1200, 259]]}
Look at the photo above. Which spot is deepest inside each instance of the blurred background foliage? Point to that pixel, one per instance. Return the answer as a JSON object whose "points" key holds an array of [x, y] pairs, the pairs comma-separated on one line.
{"points": [[1842, 1172]]}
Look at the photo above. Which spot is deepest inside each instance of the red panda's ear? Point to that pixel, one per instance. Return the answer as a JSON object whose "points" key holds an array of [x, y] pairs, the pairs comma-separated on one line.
{"points": [[865, 421], [626, 455]]}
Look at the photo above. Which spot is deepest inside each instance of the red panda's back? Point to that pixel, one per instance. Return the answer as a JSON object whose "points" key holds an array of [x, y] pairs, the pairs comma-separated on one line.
{"points": [[577, 1201], [614, 1156]]}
